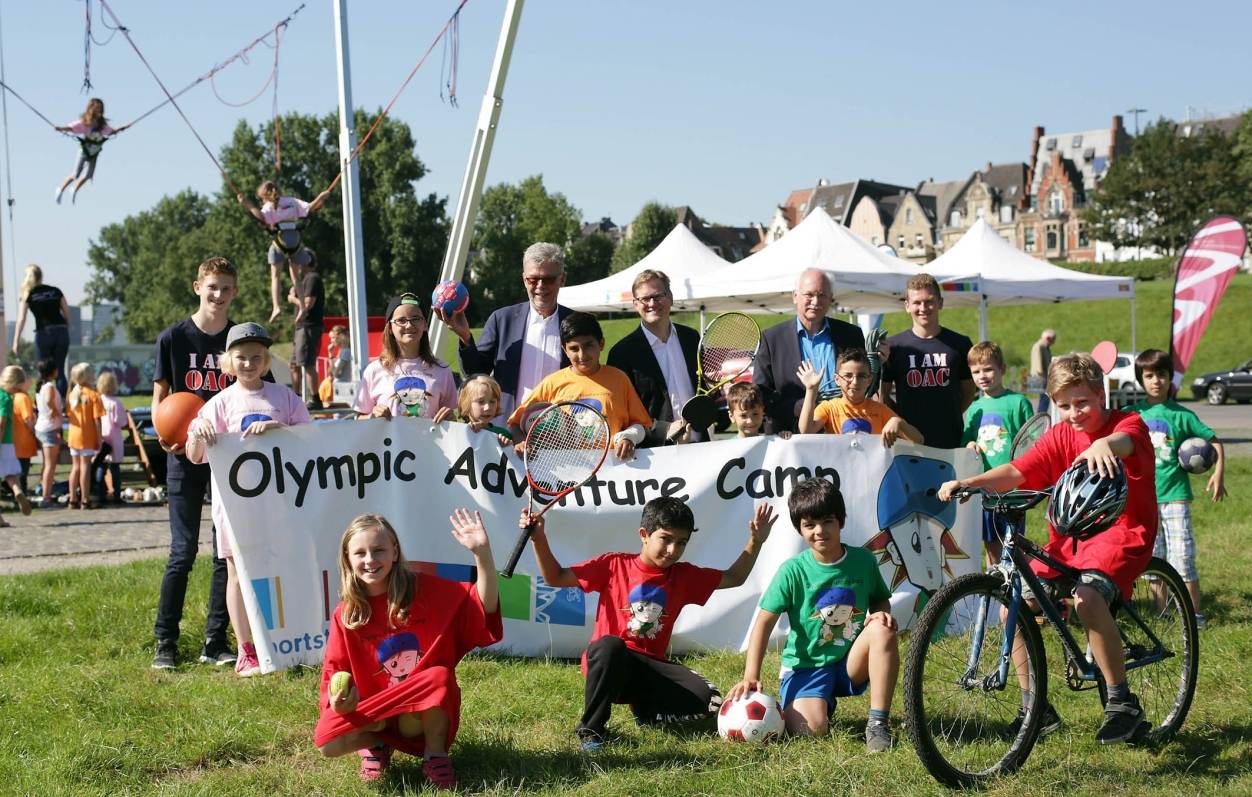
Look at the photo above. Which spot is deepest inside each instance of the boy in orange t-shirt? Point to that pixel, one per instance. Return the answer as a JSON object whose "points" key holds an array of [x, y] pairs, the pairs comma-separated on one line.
{"points": [[25, 446], [84, 409], [853, 411], [604, 387]]}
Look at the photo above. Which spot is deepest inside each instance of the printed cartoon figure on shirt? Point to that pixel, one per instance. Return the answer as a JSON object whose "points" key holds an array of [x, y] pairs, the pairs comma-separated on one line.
{"points": [[856, 425], [915, 541], [252, 418], [585, 419], [836, 608], [412, 393], [992, 436], [398, 655], [1162, 442], [646, 608]]}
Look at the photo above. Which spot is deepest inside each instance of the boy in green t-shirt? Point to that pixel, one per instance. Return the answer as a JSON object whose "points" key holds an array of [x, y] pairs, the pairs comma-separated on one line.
{"points": [[843, 637], [991, 422], [1169, 424]]}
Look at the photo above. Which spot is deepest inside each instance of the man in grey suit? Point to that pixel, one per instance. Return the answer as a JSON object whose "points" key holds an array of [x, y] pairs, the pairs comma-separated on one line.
{"points": [[521, 343], [813, 337]]}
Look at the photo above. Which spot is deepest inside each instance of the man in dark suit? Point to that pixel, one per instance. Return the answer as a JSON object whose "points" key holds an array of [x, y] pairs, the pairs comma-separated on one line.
{"points": [[659, 356], [521, 343], [812, 337]]}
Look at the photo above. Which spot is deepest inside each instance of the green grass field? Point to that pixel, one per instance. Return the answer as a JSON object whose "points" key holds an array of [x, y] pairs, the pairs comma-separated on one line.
{"points": [[84, 715], [1080, 325]]}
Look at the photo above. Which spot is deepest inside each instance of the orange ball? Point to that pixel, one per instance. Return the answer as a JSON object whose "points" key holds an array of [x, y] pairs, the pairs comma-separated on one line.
{"points": [[174, 414]]}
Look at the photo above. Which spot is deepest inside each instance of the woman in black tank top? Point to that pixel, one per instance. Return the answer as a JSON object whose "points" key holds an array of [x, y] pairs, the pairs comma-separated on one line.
{"points": [[51, 311]]}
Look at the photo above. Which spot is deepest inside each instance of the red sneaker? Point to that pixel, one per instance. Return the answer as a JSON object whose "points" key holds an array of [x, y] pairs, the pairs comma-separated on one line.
{"points": [[438, 770], [374, 761]]}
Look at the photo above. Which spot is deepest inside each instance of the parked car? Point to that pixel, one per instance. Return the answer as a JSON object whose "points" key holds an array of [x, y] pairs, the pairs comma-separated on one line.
{"points": [[1218, 386], [1124, 389]]}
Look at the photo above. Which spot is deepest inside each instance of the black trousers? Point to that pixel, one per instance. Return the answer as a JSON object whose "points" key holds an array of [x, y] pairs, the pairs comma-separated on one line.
{"points": [[186, 495], [659, 692]]}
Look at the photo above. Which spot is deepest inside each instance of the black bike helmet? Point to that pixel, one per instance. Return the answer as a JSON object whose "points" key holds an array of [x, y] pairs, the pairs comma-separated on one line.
{"points": [[1084, 503]]}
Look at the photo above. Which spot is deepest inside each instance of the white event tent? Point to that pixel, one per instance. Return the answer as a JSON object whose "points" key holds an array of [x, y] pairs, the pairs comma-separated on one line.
{"points": [[680, 256], [1002, 274], [866, 280]]}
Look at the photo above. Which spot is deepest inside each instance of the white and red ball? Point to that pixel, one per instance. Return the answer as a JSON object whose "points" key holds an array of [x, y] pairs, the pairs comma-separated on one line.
{"points": [[1196, 455], [450, 296], [754, 718]]}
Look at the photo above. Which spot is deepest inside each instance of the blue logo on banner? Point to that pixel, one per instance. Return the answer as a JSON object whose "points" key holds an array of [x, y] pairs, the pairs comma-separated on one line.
{"points": [[559, 606]]}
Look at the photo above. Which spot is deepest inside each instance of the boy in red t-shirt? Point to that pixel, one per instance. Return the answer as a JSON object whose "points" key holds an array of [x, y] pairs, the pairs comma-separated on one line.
{"points": [[1111, 560], [640, 598]]}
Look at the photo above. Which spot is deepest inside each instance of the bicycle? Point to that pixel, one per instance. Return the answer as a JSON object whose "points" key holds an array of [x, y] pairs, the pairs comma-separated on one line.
{"points": [[973, 714]]}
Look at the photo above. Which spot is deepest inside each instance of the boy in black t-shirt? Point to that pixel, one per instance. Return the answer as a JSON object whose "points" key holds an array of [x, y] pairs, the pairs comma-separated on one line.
{"points": [[307, 343], [187, 360], [928, 368]]}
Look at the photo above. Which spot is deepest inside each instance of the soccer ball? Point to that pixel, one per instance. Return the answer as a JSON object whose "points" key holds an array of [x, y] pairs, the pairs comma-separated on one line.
{"points": [[754, 718], [1196, 455], [450, 296]]}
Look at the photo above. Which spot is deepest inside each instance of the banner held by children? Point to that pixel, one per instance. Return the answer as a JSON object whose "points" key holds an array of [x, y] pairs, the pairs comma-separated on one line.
{"points": [[290, 495]]}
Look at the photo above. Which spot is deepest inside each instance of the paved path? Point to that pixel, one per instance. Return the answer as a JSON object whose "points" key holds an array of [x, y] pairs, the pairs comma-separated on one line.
{"points": [[55, 538], [1232, 422]]}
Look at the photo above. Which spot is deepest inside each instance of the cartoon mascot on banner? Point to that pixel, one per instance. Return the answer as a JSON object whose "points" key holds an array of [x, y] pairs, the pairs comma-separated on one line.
{"points": [[914, 541]]}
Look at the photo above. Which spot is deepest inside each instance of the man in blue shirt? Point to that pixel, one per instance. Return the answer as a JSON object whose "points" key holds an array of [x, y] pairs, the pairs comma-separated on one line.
{"points": [[812, 337]]}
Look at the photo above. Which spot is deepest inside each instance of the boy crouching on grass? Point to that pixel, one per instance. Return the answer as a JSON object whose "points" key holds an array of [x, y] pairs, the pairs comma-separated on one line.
{"points": [[640, 598], [842, 638]]}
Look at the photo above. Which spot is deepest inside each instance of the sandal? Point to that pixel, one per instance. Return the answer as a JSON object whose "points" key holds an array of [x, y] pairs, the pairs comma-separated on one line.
{"points": [[439, 772], [374, 761]]}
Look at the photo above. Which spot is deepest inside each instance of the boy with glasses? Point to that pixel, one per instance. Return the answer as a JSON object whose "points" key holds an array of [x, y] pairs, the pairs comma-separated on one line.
{"points": [[854, 411]]}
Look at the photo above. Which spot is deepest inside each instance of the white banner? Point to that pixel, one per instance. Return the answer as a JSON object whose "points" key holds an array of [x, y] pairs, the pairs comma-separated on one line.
{"points": [[290, 494]]}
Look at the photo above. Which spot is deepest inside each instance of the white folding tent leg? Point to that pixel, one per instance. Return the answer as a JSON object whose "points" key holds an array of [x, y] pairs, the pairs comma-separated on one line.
{"points": [[1134, 342], [983, 334]]}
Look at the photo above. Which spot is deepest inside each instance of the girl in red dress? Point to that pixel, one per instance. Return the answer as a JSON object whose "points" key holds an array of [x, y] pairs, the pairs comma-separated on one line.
{"points": [[399, 635]]}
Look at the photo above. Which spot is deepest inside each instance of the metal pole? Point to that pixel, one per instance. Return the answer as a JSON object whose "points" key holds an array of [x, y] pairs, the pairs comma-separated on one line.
{"points": [[480, 155], [983, 331], [1134, 338], [354, 246]]}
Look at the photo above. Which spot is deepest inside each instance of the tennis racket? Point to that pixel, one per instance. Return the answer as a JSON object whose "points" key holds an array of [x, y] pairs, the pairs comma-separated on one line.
{"points": [[1029, 434], [565, 446], [727, 350]]}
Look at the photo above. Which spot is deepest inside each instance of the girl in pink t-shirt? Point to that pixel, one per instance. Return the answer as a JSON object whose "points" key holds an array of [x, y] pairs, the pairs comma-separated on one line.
{"points": [[250, 406], [282, 214], [111, 425], [92, 130], [406, 379]]}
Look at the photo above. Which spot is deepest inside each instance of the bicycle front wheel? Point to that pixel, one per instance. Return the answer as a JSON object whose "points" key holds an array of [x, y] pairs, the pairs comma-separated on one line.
{"points": [[1165, 687], [964, 720]]}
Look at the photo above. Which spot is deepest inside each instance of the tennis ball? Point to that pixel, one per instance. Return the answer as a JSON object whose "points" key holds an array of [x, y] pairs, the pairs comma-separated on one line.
{"points": [[340, 683], [409, 725]]}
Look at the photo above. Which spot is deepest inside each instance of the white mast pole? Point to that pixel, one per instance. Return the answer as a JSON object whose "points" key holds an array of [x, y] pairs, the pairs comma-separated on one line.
{"points": [[354, 245], [480, 155]]}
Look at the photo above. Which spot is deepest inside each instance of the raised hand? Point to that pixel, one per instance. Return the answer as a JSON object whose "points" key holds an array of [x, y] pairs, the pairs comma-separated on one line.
{"points": [[762, 523], [810, 378], [468, 531]]}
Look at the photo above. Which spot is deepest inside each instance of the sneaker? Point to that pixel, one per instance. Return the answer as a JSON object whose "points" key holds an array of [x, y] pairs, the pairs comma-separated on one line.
{"points": [[165, 656], [1051, 722], [247, 664], [374, 761], [1199, 620], [1121, 721], [217, 654], [592, 745], [439, 772], [23, 503], [57, 194], [878, 738]]}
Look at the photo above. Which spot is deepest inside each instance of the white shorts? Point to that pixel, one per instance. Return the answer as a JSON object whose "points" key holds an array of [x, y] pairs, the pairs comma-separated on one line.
{"points": [[9, 466], [82, 452]]}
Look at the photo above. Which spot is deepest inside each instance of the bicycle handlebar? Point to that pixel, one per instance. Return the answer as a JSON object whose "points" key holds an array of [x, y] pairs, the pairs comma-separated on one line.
{"points": [[1007, 501]]}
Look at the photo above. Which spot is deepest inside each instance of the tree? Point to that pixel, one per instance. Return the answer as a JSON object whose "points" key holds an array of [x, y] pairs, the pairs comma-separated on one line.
{"points": [[654, 222], [511, 218], [1166, 186], [588, 258], [1242, 149], [147, 262]]}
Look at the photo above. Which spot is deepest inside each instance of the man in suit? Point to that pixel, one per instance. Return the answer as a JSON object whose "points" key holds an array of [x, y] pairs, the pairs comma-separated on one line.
{"points": [[659, 356], [521, 343], [812, 337]]}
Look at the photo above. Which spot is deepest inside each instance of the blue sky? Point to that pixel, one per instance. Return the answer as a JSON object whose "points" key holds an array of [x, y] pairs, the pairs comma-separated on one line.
{"points": [[724, 106]]}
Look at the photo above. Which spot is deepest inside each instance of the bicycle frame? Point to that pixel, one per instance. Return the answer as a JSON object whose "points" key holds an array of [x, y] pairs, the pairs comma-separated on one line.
{"points": [[1014, 566]]}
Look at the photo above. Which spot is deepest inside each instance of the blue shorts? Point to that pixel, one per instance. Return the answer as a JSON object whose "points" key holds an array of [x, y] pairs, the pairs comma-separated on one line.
{"points": [[995, 526], [827, 682]]}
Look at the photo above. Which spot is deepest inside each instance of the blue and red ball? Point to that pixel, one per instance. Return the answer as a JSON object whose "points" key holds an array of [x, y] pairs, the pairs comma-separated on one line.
{"points": [[450, 296]]}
